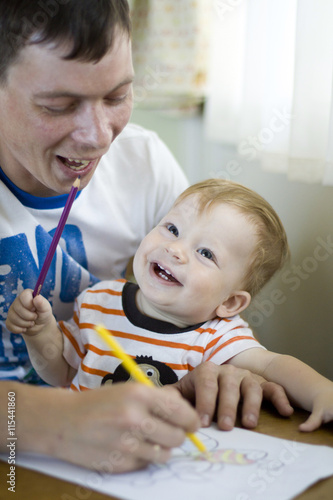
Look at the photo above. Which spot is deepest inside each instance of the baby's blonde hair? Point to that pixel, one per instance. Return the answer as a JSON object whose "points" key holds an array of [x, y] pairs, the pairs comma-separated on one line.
{"points": [[272, 249]]}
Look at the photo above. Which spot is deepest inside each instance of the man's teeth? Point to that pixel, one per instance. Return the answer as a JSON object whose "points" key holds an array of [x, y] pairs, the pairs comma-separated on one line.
{"points": [[76, 164]]}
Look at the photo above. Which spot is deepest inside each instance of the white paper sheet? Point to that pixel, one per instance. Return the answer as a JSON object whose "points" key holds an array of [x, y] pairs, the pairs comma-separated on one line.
{"points": [[254, 467]]}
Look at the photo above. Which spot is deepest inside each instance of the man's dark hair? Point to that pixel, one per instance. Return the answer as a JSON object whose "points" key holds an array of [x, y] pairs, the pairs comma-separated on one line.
{"points": [[88, 25]]}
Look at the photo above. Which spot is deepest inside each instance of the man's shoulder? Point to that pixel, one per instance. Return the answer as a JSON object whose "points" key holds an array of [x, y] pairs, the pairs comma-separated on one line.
{"points": [[142, 146], [139, 155], [134, 131]]}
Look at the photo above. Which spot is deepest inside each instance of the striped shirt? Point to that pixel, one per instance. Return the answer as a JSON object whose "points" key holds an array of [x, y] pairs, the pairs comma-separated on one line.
{"points": [[164, 351]]}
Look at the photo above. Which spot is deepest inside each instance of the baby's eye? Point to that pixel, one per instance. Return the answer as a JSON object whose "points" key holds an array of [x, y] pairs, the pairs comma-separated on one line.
{"points": [[206, 253], [172, 228]]}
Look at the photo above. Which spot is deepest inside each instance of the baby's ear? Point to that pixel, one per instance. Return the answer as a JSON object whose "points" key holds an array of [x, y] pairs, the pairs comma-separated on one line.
{"points": [[233, 305]]}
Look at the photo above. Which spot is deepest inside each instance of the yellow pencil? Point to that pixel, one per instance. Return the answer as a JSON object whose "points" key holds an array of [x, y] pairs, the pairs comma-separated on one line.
{"points": [[135, 371]]}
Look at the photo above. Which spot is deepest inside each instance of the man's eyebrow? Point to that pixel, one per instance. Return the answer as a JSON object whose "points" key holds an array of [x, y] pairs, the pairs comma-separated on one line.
{"points": [[60, 93]]}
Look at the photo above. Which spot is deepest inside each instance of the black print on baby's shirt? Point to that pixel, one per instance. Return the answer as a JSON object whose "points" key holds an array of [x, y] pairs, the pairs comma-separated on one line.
{"points": [[159, 373]]}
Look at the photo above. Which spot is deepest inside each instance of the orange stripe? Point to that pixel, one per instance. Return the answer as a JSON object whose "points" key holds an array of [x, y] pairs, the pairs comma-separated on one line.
{"points": [[72, 340], [176, 366], [187, 367], [208, 330], [217, 339], [83, 388], [106, 290], [93, 371], [213, 330], [164, 343], [228, 342], [89, 326], [100, 352], [138, 338], [97, 350], [76, 319], [105, 310]]}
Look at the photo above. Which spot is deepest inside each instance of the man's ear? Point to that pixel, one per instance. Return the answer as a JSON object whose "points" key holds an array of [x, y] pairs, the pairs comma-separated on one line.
{"points": [[234, 304]]}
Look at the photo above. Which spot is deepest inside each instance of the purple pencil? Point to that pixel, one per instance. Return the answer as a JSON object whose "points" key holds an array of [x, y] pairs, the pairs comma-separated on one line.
{"points": [[56, 237]]}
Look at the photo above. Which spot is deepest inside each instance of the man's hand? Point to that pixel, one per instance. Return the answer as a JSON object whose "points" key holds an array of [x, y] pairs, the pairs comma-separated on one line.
{"points": [[115, 428], [218, 390]]}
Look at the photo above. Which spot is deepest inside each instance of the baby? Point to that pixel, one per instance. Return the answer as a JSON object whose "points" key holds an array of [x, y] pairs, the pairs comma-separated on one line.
{"points": [[196, 271]]}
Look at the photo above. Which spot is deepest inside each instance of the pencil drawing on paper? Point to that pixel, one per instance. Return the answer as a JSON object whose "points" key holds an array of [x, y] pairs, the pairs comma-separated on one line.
{"points": [[187, 465]]}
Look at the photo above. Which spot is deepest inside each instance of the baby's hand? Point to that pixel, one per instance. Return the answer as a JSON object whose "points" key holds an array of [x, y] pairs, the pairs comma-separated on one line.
{"points": [[28, 314], [322, 410]]}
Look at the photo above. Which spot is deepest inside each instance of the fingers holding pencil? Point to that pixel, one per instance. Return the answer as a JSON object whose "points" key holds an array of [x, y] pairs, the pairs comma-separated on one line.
{"points": [[168, 420], [29, 315], [131, 423], [139, 376], [176, 413]]}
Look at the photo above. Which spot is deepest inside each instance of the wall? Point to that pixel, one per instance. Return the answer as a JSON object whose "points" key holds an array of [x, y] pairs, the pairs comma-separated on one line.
{"points": [[294, 313]]}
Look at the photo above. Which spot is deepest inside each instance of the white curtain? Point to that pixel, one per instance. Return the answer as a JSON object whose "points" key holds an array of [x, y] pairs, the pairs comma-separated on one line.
{"points": [[270, 84]]}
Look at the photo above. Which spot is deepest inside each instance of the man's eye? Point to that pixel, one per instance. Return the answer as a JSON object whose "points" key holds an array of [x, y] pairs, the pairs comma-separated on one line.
{"points": [[59, 110], [172, 228], [117, 99], [206, 253]]}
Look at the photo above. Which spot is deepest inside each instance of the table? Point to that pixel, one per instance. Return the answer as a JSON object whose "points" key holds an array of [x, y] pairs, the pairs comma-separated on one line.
{"points": [[31, 485]]}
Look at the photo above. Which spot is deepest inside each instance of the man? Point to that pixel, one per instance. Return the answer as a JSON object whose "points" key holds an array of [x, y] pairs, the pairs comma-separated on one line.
{"points": [[65, 96]]}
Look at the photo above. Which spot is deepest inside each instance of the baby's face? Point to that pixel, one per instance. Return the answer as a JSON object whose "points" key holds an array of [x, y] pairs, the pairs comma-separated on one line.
{"points": [[193, 261]]}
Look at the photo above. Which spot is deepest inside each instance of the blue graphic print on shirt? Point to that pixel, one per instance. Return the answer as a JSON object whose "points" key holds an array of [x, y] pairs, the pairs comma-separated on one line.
{"points": [[18, 270]]}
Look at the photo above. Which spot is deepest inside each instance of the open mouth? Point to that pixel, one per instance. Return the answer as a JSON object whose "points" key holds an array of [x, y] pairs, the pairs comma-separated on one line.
{"points": [[164, 274], [74, 164]]}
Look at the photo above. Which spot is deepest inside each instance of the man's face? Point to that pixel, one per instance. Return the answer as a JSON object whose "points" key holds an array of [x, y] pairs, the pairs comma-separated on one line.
{"points": [[59, 117]]}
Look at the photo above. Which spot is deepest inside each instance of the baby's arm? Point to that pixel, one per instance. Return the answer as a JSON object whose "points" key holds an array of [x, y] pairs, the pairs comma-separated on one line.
{"points": [[305, 387], [33, 318]]}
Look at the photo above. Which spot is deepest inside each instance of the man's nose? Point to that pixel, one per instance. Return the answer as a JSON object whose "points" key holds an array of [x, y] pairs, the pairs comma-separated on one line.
{"points": [[93, 127]]}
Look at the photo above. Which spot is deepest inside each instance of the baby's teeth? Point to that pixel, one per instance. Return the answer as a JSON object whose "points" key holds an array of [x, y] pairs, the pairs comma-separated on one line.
{"points": [[165, 270]]}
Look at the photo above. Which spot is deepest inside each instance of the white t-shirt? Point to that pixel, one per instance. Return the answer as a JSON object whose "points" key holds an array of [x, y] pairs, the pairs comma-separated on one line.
{"points": [[133, 187], [164, 352]]}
